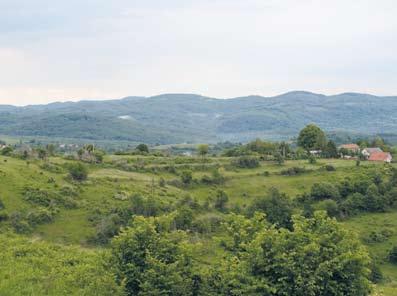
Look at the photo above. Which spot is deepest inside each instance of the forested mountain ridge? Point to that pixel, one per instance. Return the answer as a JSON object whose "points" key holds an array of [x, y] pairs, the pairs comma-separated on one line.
{"points": [[175, 118]]}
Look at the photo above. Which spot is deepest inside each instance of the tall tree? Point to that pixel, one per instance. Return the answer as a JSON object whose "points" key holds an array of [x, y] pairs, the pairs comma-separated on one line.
{"points": [[330, 150], [312, 138], [203, 150]]}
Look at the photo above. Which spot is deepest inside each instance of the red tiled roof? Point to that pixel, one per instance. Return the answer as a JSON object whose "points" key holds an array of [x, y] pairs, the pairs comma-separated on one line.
{"points": [[379, 156], [350, 146]]}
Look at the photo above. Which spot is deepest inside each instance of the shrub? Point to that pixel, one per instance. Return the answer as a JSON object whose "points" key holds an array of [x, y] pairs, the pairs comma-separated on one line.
{"points": [[40, 216], [246, 162], [277, 207], [324, 190], [376, 275], [186, 177], [38, 196], [221, 200], [142, 148], [19, 224], [78, 171], [312, 159], [293, 171], [330, 206], [378, 236], [393, 255], [330, 168], [6, 151], [183, 218]]}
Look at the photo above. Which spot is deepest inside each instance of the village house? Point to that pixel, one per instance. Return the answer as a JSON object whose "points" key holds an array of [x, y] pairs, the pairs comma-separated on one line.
{"points": [[350, 147], [381, 156], [368, 151]]}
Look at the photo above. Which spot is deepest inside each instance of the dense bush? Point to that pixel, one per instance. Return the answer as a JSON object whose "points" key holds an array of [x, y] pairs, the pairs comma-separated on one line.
{"points": [[152, 262], [40, 216], [186, 177], [221, 200], [293, 171], [330, 168], [330, 206], [277, 207], [38, 196], [246, 162], [275, 262], [393, 255], [78, 171], [324, 190]]}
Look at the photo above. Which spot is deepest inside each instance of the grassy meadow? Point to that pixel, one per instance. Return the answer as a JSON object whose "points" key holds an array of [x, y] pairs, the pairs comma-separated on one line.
{"points": [[118, 177]]}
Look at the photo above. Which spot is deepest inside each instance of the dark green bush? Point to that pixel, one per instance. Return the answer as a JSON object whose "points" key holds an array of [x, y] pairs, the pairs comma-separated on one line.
{"points": [[78, 171], [329, 168], [293, 171], [246, 162]]}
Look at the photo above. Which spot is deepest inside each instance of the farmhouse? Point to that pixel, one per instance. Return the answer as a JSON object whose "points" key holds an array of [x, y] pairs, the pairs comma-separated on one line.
{"points": [[350, 147], [368, 151], [380, 156]]}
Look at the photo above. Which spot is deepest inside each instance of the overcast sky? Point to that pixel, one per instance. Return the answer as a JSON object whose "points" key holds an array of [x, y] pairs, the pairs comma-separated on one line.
{"points": [[57, 50]]}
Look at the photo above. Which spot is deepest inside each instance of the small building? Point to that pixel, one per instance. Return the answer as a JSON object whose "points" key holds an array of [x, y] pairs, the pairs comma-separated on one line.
{"points": [[368, 151], [381, 156], [315, 152], [350, 147]]}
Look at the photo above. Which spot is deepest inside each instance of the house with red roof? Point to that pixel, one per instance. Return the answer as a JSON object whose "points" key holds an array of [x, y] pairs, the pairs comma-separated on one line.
{"points": [[380, 156], [350, 147]]}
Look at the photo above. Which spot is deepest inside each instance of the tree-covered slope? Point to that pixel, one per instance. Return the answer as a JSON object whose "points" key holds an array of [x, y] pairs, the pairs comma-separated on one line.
{"points": [[176, 118]]}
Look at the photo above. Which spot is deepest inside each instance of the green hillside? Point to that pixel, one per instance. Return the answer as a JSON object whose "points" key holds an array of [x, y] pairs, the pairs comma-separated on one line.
{"points": [[73, 222], [178, 118]]}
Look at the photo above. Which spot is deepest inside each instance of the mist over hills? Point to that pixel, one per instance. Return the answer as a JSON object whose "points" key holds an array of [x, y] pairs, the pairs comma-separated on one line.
{"points": [[177, 118]]}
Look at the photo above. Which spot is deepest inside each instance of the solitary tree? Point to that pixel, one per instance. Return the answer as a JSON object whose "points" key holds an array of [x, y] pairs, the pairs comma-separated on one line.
{"points": [[203, 150], [142, 148], [312, 138]]}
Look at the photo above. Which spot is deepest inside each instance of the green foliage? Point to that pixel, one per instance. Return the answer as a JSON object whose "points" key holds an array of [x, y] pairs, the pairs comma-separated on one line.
{"points": [[293, 171], [78, 171], [142, 148], [330, 151], [203, 149], [39, 268], [312, 138], [277, 207], [221, 199], [317, 257], [330, 206], [324, 190], [312, 159], [6, 151], [151, 262], [186, 177], [330, 168], [279, 158], [393, 255], [246, 162]]}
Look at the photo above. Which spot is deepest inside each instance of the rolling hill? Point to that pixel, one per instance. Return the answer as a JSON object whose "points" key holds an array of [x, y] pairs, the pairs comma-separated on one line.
{"points": [[177, 118]]}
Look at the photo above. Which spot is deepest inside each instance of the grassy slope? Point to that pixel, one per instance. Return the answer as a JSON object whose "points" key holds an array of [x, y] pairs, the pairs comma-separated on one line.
{"points": [[71, 226]]}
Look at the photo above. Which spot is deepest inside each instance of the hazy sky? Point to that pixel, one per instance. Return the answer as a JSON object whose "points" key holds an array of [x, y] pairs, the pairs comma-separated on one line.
{"points": [[56, 50]]}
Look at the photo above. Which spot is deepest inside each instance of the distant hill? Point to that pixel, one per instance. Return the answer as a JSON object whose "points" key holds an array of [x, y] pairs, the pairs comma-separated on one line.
{"points": [[177, 118]]}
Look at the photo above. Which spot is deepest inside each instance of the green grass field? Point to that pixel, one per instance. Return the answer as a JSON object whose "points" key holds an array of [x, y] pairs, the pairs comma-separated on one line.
{"points": [[129, 175]]}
